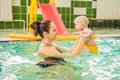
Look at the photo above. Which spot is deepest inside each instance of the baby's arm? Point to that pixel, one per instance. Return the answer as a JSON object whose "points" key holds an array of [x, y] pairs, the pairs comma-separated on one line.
{"points": [[75, 33]]}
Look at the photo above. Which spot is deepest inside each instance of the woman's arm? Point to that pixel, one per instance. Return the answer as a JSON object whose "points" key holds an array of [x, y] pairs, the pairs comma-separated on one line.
{"points": [[76, 42], [61, 47], [52, 52], [68, 49]]}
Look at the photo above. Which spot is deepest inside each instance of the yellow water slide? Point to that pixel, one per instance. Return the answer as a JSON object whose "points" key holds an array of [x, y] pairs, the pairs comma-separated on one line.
{"points": [[33, 11], [52, 1]]}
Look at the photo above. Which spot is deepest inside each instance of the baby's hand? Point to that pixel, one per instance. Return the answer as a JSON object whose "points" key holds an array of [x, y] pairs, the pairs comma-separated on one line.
{"points": [[87, 33]]}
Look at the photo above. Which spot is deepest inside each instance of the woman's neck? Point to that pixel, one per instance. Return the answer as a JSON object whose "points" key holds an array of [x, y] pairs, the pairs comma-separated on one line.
{"points": [[46, 42]]}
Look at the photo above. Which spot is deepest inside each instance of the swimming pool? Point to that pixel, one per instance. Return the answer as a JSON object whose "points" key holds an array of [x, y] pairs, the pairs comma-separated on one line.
{"points": [[17, 61]]}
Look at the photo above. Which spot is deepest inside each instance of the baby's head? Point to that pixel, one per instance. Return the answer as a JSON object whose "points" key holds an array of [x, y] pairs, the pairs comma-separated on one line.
{"points": [[81, 22]]}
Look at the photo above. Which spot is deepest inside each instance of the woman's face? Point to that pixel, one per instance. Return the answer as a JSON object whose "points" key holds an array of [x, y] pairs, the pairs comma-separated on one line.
{"points": [[53, 32]]}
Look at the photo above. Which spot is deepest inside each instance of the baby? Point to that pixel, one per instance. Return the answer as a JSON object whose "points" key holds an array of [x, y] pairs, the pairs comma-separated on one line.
{"points": [[81, 25]]}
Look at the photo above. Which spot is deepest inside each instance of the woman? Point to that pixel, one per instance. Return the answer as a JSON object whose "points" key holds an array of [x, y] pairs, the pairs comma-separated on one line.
{"points": [[48, 50]]}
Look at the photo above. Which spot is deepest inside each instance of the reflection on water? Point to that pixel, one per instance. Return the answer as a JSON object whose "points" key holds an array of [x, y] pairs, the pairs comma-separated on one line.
{"points": [[18, 59]]}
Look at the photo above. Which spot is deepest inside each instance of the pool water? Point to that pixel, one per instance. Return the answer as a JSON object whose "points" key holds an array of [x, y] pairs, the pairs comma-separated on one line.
{"points": [[17, 62]]}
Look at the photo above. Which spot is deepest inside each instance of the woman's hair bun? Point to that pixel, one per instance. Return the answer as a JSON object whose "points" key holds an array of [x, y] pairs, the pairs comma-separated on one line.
{"points": [[35, 26]]}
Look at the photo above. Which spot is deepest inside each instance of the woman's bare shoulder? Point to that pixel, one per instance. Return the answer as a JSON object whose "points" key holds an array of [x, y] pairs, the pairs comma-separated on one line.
{"points": [[46, 51], [42, 51]]}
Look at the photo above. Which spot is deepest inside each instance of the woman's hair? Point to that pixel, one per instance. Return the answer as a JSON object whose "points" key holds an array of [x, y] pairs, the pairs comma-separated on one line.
{"points": [[40, 27]]}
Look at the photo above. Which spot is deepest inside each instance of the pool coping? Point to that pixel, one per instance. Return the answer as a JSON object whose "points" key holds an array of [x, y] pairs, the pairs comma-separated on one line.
{"points": [[109, 36], [14, 39], [98, 36]]}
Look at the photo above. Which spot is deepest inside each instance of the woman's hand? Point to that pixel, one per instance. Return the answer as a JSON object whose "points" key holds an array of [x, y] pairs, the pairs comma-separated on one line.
{"points": [[87, 36], [87, 33]]}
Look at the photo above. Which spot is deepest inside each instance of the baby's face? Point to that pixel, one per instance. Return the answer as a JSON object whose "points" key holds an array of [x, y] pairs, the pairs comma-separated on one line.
{"points": [[79, 26]]}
